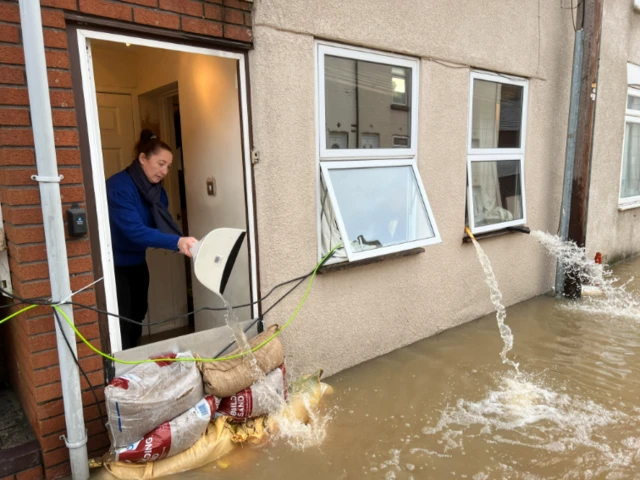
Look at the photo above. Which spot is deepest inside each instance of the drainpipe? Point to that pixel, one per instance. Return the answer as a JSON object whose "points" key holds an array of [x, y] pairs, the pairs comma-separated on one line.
{"points": [[49, 181], [563, 232]]}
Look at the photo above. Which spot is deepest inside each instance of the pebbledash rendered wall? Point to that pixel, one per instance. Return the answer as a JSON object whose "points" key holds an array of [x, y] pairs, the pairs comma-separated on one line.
{"points": [[357, 314], [31, 355]]}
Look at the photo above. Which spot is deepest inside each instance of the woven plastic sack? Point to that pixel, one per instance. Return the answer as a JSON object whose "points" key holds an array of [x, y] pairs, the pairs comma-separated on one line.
{"points": [[149, 395], [228, 377], [170, 438], [259, 399]]}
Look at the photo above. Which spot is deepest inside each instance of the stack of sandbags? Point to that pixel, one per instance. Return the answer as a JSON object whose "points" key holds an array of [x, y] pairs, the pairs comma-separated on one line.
{"points": [[157, 409], [222, 436]]}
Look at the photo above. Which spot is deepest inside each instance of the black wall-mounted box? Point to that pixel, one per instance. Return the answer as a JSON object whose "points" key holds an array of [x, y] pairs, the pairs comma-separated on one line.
{"points": [[76, 221]]}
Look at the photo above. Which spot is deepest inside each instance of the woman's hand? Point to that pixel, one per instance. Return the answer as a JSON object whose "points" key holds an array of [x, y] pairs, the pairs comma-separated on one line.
{"points": [[185, 244]]}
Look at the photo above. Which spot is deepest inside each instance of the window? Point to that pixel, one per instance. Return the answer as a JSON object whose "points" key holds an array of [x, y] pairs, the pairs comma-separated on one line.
{"points": [[630, 175], [495, 160], [371, 195]]}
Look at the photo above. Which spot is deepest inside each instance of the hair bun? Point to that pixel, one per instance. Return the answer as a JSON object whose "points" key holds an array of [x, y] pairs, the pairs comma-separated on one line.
{"points": [[147, 135], [149, 143]]}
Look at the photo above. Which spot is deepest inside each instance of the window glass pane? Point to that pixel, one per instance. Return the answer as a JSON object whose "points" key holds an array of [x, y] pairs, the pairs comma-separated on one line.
{"points": [[368, 102], [380, 206], [496, 190], [633, 103], [630, 185], [497, 115]]}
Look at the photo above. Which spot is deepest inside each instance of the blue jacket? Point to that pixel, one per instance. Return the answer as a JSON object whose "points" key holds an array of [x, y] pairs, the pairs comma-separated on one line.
{"points": [[132, 227]]}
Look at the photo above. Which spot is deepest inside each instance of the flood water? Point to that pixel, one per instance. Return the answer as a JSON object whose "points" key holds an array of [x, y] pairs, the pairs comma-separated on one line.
{"points": [[447, 407]]}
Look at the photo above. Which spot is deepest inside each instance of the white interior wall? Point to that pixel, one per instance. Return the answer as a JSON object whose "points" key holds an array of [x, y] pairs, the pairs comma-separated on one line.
{"points": [[211, 139]]}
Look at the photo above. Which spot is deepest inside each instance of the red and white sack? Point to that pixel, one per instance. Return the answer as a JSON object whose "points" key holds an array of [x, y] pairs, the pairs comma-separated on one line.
{"points": [[261, 398], [170, 438], [149, 395]]}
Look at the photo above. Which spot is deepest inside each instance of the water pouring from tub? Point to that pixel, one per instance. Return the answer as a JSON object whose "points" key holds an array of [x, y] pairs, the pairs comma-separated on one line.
{"points": [[213, 258]]}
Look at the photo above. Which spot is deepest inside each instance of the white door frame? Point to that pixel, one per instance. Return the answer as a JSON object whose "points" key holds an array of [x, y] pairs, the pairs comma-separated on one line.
{"points": [[95, 147]]}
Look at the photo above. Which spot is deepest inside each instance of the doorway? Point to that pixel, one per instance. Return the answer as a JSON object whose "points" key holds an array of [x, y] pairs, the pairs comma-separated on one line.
{"points": [[194, 99]]}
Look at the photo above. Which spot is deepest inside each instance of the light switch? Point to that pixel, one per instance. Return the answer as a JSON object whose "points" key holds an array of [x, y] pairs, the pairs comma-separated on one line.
{"points": [[211, 186]]}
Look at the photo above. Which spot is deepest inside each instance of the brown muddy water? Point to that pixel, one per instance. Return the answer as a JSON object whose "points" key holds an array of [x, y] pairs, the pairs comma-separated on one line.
{"points": [[447, 407]]}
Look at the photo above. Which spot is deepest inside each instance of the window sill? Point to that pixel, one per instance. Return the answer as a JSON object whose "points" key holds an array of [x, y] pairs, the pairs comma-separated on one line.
{"points": [[346, 265], [396, 106], [495, 233], [628, 206]]}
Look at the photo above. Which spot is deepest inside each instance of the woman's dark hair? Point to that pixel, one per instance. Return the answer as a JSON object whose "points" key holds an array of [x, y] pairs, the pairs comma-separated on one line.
{"points": [[150, 144]]}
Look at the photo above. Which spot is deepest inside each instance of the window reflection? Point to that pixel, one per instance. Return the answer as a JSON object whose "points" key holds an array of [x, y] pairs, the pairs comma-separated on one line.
{"points": [[366, 103], [497, 115]]}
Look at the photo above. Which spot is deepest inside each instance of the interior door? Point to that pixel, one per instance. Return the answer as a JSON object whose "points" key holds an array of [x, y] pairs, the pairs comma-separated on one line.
{"points": [[167, 291], [115, 114], [168, 286]]}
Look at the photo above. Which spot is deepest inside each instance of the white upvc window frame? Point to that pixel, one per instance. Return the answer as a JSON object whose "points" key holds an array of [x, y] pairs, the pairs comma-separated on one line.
{"points": [[328, 159], [631, 116], [475, 154], [409, 162]]}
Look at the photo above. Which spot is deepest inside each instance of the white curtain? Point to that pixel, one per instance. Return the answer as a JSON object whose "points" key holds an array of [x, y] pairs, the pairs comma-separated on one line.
{"points": [[488, 207]]}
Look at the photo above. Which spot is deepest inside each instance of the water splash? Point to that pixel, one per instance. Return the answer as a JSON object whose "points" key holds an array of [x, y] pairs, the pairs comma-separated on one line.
{"points": [[522, 412], [496, 299], [297, 433], [612, 297]]}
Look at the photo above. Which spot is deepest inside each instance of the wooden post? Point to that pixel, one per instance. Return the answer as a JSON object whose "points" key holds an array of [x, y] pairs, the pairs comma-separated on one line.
{"points": [[590, 18]]}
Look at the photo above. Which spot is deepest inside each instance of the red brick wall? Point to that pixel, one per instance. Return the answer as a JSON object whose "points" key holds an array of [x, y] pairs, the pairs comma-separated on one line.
{"points": [[34, 473], [30, 340]]}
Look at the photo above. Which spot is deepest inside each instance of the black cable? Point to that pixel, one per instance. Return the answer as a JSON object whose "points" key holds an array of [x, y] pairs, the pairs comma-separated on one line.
{"points": [[12, 305], [276, 303], [41, 301], [86, 377], [261, 317]]}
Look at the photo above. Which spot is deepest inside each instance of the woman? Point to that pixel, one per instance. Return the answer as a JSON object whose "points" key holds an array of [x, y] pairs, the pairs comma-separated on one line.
{"points": [[140, 219]]}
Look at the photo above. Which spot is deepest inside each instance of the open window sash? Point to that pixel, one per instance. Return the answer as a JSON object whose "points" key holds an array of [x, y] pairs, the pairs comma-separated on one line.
{"points": [[380, 206]]}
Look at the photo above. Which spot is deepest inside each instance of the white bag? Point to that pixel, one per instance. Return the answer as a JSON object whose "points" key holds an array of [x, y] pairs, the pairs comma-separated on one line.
{"points": [[149, 395], [170, 438]]}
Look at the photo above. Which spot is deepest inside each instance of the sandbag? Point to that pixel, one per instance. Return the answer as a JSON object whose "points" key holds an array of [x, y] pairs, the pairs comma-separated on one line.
{"points": [[222, 437], [228, 377], [149, 395], [258, 399], [170, 438]]}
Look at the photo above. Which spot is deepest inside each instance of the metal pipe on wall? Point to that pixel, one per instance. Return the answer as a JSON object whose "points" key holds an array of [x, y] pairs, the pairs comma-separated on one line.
{"points": [[570, 154], [49, 182]]}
